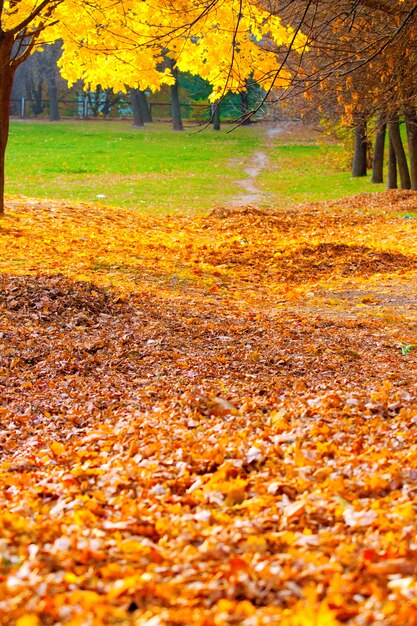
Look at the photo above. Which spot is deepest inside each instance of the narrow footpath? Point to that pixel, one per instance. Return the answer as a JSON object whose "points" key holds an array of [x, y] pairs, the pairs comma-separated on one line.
{"points": [[251, 194]]}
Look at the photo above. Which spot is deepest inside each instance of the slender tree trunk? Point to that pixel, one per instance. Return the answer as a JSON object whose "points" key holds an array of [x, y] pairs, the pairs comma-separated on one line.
{"points": [[6, 84], [411, 120], [51, 56], [53, 98], [175, 103], [378, 158], [138, 121], [392, 182], [108, 103], [394, 132], [244, 104], [215, 115], [36, 96], [360, 151], [144, 107]]}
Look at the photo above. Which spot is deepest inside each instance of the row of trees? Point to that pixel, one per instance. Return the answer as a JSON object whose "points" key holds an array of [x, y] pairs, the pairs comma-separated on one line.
{"points": [[354, 59], [360, 72], [39, 90]]}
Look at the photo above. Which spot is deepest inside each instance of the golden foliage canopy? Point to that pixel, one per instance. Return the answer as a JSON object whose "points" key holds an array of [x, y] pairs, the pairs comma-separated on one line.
{"points": [[124, 42]]}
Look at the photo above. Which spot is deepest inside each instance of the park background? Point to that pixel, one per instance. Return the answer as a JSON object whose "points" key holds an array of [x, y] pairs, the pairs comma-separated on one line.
{"points": [[208, 344]]}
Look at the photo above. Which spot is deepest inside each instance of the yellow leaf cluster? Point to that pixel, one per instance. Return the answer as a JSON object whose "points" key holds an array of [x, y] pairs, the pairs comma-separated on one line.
{"points": [[125, 42]]}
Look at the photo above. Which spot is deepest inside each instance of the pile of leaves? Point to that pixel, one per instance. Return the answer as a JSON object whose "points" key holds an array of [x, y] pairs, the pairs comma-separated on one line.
{"points": [[209, 420]]}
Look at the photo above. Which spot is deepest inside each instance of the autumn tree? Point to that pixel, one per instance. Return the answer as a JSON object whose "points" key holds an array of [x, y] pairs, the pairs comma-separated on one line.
{"points": [[360, 68], [122, 44]]}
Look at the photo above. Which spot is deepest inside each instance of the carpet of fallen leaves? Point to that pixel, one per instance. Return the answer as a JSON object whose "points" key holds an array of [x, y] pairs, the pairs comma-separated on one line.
{"points": [[209, 421]]}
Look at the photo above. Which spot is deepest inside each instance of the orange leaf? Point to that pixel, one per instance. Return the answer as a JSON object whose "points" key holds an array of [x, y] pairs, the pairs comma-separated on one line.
{"points": [[57, 448]]}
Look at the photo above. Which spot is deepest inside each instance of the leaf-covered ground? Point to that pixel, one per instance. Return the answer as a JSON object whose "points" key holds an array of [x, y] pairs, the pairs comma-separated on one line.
{"points": [[209, 421]]}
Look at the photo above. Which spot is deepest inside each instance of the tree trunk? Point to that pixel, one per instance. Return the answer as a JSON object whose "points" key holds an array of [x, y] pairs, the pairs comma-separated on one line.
{"points": [[37, 104], [378, 159], [360, 151], [6, 84], [138, 121], [394, 132], [175, 103], [244, 104], [106, 108], [144, 107], [51, 56], [411, 120], [53, 98], [215, 115], [392, 166]]}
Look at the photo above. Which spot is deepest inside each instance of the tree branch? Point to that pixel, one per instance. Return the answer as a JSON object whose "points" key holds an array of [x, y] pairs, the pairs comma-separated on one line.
{"points": [[36, 13], [384, 7]]}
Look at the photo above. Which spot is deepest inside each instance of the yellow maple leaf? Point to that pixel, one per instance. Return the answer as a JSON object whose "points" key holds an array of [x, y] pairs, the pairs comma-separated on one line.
{"points": [[28, 620]]}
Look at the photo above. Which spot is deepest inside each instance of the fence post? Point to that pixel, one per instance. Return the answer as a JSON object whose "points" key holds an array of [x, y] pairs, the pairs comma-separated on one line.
{"points": [[23, 107]]}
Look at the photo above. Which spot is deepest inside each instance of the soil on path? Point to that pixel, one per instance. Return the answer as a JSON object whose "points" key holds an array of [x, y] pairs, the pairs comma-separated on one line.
{"points": [[251, 194]]}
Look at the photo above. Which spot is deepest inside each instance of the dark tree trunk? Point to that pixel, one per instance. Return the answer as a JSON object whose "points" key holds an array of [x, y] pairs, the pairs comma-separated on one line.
{"points": [[246, 120], [392, 166], [6, 84], [51, 57], [93, 98], [411, 120], [395, 135], [106, 108], [138, 121], [176, 109], [144, 107], [37, 104], [360, 151], [53, 98], [378, 158], [175, 103], [215, 115]]}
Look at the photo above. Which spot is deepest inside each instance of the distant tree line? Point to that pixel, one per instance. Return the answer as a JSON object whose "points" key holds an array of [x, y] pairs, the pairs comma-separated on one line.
{"points": [[39, 90]]}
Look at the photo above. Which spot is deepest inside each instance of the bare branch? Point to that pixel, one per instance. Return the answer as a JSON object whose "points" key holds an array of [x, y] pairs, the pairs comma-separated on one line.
{"points": [[384, 7]]}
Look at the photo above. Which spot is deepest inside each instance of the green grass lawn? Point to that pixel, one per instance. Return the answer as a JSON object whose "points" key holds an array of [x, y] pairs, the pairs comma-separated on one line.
{"points": [[310, 172], [157, 170], [154, 169]]}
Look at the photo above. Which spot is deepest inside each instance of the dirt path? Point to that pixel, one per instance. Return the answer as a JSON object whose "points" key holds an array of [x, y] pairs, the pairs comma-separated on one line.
{"points": [[251, 194]]}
